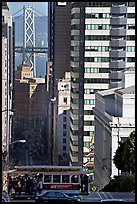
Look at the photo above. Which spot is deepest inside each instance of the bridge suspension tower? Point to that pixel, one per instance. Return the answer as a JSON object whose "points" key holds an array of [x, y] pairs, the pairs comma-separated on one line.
{"points": [[29, 49]]}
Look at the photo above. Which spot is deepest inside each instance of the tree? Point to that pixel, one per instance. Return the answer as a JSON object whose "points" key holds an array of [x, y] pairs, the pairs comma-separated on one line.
{"points": [[121, 184], [124, 158]]}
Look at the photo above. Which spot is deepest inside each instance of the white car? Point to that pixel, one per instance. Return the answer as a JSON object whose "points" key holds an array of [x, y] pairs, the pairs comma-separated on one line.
{"points": [[5, 197], [3, 200], [113, 200]]}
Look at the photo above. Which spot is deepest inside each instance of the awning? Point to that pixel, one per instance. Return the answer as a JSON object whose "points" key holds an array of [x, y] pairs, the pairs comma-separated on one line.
{"points": [[90, 154], [89, 164], [91, 147]]}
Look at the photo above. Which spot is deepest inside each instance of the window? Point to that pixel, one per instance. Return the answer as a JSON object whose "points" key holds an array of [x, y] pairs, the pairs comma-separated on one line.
{"points": [[64, 140], [64, 112], [130, 59], [64, 126], [88, 123], [64, 119], [74, 179], [131, 4], [130, 37], [50, 195], [47, 178], [131, 15], [60, 195], [75, 37], [88, 133], [64, 147], [65, 178], [65, 100], [89, 101], [130, 48], [56, 178], [76, 15], [75, 142], [3, 19], [88, 112], [131, 27], [87, 144]]}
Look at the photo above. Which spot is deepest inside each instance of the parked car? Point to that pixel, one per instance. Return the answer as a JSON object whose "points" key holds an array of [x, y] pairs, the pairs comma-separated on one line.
{"points": [[56, 196], [113, 200]]}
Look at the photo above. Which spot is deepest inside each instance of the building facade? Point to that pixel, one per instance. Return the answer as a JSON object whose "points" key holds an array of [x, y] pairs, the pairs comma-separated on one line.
{"points": [[102, 45], [7, 77], [30, 118], [59, 63], [114, 121], [63, 119]]}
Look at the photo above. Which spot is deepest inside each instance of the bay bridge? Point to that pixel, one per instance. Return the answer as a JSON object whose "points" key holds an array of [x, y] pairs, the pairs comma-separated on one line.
{"points": [[29, 48]]}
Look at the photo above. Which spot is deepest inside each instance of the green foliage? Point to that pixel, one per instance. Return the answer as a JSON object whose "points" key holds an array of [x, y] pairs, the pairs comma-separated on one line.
{"points": [[121, 184], [124, 158]]}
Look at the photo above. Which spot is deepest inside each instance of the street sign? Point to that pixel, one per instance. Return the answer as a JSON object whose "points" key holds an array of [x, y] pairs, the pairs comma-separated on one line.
{"points": [[94, 188]]}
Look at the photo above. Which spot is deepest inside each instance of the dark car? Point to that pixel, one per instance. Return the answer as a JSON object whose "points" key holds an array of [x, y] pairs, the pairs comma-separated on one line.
{"points": [[56, 196]]}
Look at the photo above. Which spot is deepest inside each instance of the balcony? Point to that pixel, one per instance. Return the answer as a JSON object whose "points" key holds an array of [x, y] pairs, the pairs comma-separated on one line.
{"points": [[118, 9], [118, 32], [116, 75], [118, 21], [117, 64], [117, 53], [118, 43]]}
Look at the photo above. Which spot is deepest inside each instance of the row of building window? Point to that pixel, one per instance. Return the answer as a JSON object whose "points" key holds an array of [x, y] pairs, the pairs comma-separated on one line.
{"points": [[107, 15], [97, 80], [96, 70], [86, 144], [86, 91], [104, 48], [103, 15], [108, 27], [88, 133], [86, 112], [86, 101], [102, 59], [109, 4], [91, 91], [108, 37], [108, 48], [91, 80], [103, 37], [104, 4]]}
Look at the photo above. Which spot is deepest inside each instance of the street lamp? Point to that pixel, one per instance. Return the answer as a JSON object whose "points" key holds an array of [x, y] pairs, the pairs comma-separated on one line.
{"points": [[21, 141], [12, 110]]}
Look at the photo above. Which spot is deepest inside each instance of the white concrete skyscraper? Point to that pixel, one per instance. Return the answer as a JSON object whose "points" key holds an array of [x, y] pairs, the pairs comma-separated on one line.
{"points": [[102, 45]]}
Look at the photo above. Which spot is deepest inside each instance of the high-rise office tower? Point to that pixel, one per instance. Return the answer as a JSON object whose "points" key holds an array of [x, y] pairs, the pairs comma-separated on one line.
{"points": [[7, 76], [102, 45], [59, 62]]}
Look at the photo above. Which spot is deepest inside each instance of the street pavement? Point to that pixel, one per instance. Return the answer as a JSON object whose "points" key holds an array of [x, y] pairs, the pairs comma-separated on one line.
{"points": [[97, 197]]}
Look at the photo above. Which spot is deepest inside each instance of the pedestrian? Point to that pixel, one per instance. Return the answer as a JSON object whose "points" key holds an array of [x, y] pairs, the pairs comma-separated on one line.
{"points": [[40, 186], [31, 186], [35, 185], [28, 186], [19, 187]]}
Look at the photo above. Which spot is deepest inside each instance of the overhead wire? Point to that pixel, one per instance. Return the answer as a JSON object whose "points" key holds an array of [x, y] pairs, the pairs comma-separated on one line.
{"points": [[17, 12]]}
